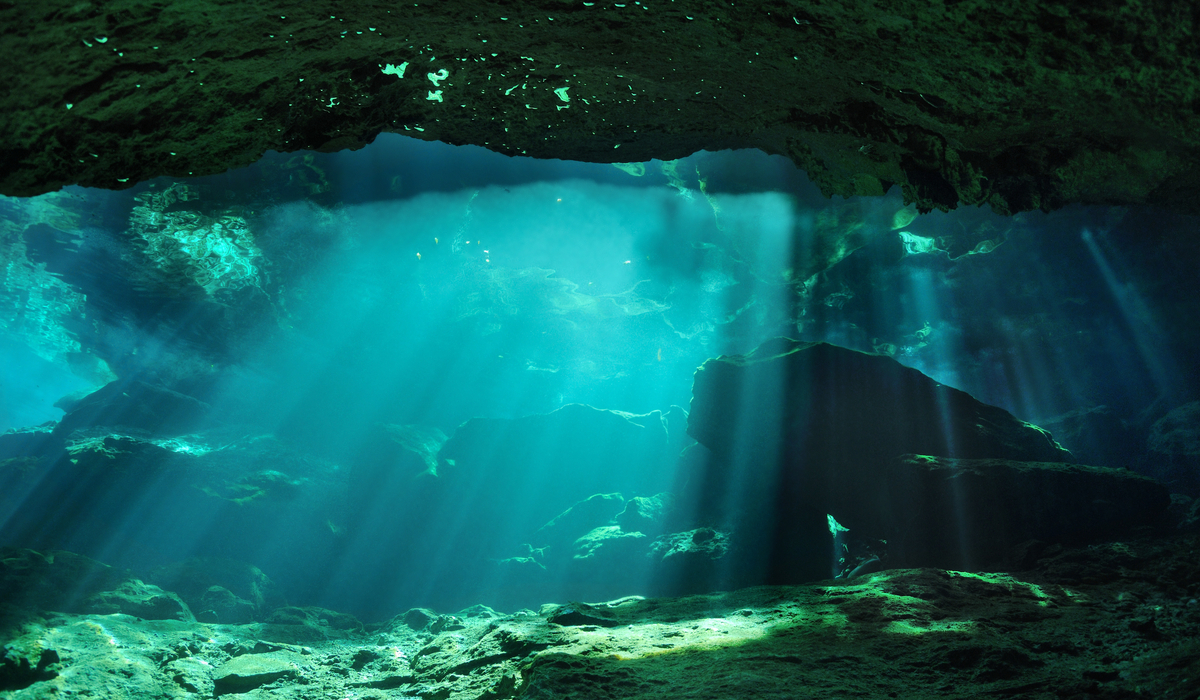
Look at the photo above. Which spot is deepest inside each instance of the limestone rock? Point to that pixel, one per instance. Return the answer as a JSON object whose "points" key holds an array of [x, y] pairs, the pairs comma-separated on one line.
{"points": [[192, 675], [1097, 435], [314, 617], [249, 671], [1178, 432], [610, 544], [147, 601], [861, 97], [645, 514], [584, 516], [1052, 627], [797, 432], [693, 561], [418, 619], [220, 590]]}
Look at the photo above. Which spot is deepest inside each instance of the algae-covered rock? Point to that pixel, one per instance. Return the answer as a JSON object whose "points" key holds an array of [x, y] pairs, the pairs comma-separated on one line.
{"points": [[192, 675], [646, 514], [147, 601], [249, 671], [984, 634]]}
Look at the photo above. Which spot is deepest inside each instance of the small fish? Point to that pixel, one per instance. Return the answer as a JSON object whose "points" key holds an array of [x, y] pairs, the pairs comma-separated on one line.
{"points": [[660, 354], [435, 240], [418, 256]]}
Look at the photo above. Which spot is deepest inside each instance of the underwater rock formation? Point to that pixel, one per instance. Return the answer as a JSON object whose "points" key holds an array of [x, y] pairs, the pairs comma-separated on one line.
{"points": [[137, 406], [815, 402], [1174, 443], [1096, 104], [968, 514], [800, 436], [1116, 620]]}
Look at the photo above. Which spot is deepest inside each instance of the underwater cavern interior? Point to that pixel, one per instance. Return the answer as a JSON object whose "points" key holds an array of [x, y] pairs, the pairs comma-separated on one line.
{"points": [[672, 349]]}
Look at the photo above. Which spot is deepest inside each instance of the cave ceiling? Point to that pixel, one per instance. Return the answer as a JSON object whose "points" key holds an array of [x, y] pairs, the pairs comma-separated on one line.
{"points": [[1020, 105]]}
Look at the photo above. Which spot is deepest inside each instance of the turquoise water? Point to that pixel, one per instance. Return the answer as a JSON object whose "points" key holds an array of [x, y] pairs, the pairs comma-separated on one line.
{"points": [[294, 344]]}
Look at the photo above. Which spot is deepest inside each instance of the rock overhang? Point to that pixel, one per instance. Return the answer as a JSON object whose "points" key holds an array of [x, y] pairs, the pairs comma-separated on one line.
{"points": [[1025, 106]]}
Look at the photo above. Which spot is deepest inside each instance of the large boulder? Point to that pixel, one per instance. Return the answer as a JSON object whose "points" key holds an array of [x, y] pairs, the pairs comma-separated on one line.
{"points": [[1099, 435], [967, 514], [797, 432], [814, 402], [139, 407], [1174, 454], [59, 581], [220, 590]]}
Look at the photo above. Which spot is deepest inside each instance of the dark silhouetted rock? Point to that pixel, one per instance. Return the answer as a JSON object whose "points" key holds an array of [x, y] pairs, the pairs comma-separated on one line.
{"points": [[28, 442], [798, 431], [58, 581], [137, 406], [814, 402], [1174, 446], [693, 561], [968, 514], [1098, 436]]}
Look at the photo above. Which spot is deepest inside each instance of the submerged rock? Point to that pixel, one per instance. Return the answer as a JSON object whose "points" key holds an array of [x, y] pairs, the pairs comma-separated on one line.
{"points": [[147, 601], [53, 580], [1114, 620], [1175, 449], [805, 404], [138, 406], [1098, 435], [249, 671], [220, 590], [586, 515], [968, 514], [806, 439]]}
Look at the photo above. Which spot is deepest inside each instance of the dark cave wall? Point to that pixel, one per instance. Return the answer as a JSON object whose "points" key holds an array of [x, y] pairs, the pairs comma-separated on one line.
{"points": [[1020, 105]]}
